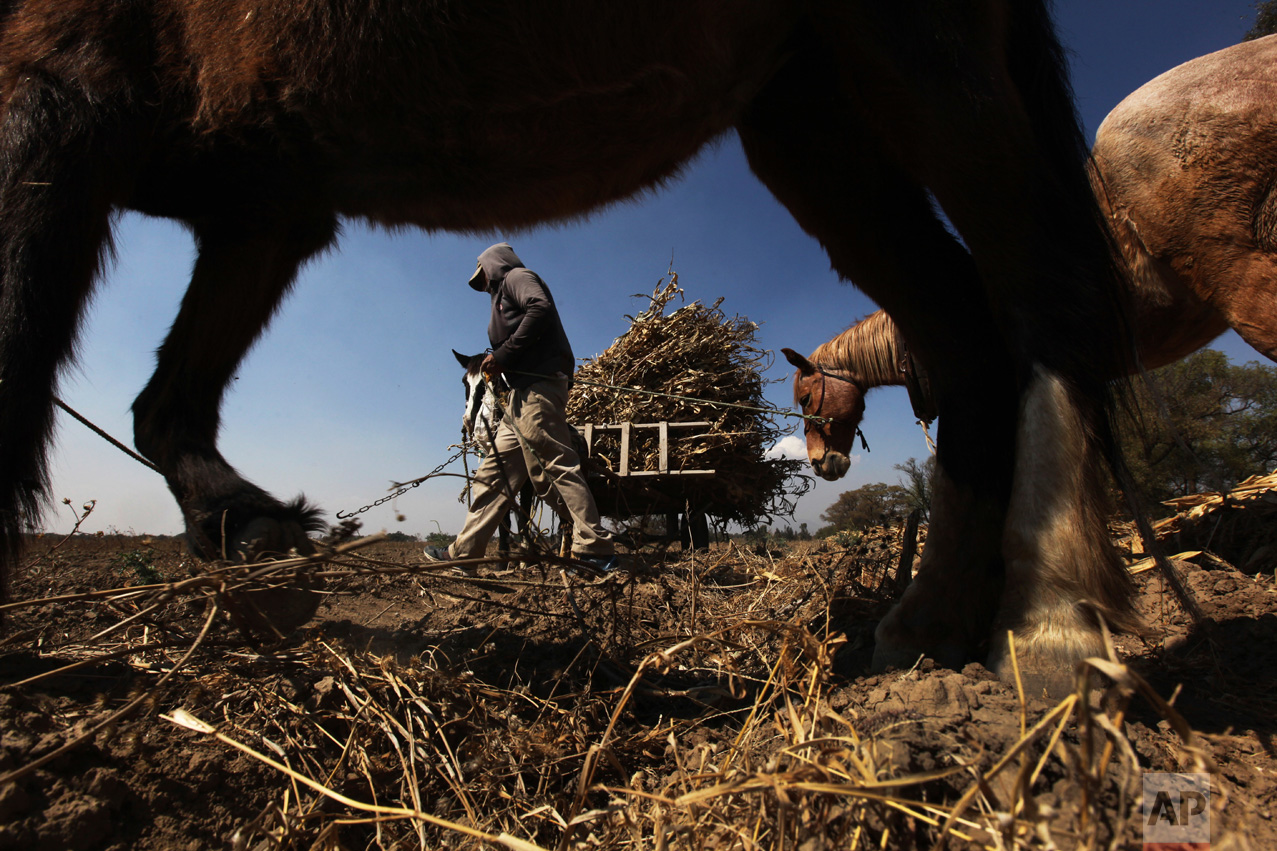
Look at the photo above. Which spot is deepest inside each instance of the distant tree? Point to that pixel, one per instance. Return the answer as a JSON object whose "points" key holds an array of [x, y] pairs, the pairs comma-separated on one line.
{"points": [[788, 533], [869, 505], [1265, 20], [1210, 425], [440, 539], [918, 481]]}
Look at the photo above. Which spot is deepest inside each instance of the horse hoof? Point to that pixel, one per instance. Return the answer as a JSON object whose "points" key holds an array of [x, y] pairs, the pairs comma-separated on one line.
{"points": [[1047, 671], [272, 614], [901, 657], [1052, 686]]}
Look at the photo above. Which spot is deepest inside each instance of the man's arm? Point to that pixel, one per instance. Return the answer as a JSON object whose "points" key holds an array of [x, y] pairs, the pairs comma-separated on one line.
{"points": [[538, 316]]}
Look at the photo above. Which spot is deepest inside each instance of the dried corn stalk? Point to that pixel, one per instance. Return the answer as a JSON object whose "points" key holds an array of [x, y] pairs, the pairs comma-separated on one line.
{"points": [[1238, 525], [705, 363]]}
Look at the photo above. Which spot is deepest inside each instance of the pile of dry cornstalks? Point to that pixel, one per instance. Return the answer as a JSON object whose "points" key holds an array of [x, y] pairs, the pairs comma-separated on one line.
{"points": [[702, 366], [1240, 526]]}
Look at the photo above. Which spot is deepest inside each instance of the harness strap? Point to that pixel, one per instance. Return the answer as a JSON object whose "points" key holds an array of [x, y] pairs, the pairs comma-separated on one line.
{"points": [[918, 385], [809, 419]]}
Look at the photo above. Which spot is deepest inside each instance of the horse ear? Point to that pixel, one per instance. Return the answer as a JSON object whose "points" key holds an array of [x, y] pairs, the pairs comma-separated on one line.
{"points": [[804, 365], [464, 360]]}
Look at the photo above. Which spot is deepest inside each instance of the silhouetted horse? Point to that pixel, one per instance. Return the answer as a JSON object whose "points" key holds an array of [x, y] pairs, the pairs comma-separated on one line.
{"points": [[479, 423], [260, 125], [1184, 169]]}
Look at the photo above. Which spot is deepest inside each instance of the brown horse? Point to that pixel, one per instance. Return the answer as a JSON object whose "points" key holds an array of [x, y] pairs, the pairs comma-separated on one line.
{"points": [[1184, 169], [831, 385], [260, 125]]}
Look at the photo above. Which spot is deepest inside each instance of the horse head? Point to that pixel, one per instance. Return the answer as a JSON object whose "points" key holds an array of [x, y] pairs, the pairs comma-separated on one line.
{"points": [[478, 408], [839, 402]]}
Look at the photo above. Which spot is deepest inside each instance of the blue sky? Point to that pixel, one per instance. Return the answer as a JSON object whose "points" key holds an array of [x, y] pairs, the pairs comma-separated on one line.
{"points": [[353, 386]]}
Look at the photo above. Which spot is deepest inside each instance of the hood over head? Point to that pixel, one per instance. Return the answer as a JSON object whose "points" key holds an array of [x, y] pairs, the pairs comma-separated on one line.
{"points": [[496, 262]]}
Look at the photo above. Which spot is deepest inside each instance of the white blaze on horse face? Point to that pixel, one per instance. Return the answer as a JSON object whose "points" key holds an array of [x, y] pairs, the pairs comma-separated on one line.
{"points": [[480, 418], [474, 400]]}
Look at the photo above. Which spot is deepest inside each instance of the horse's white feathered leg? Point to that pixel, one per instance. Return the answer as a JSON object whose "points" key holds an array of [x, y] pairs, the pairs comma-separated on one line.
{"points": [[1062, 572]]}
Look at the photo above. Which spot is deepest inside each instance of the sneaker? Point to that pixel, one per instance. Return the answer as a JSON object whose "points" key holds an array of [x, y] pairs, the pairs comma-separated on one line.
{"points": [[599, 564], [443, 554]]}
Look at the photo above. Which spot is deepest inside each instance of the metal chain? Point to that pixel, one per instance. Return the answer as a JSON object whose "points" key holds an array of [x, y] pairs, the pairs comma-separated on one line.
{"points": [[404, 488], [711, 402]]}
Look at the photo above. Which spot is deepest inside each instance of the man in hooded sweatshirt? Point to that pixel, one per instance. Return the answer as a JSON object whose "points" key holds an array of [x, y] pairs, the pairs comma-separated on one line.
{"points": [[530, 348]]}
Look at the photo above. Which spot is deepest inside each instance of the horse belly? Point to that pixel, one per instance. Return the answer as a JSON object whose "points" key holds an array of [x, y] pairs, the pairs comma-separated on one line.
{"points": [[547, 117], [446, 116]]}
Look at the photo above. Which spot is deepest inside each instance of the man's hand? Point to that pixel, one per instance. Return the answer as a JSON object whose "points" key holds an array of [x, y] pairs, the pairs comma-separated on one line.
{"points": [[490, 367]]}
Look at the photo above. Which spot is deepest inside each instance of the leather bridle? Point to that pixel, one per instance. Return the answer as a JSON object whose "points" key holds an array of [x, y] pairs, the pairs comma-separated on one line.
{"points": [[810, 420], [916, 381]]}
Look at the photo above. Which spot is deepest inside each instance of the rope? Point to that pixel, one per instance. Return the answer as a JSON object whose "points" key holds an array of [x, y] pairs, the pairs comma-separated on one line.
{"points": [[714, 402], [926, 433], [402, 487], [102, 434]]}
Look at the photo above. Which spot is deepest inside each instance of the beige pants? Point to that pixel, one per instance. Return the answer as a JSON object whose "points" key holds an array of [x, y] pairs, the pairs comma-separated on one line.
{"points": [[533, 438]]}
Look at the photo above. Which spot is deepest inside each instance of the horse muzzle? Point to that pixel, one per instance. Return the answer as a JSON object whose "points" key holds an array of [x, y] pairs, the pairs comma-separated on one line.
{"points": [[832, 466]]}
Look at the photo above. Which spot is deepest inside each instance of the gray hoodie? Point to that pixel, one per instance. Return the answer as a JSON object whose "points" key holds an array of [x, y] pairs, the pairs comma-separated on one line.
{"points": [[525, 330]]}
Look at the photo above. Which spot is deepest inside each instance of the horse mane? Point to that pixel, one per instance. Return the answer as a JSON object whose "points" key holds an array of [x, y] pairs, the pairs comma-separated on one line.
{"points": [[870, 350]]}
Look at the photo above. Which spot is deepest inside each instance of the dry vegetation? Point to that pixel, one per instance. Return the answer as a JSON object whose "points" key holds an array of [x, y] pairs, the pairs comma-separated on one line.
{"points": [[703, 366], [708, 701]]}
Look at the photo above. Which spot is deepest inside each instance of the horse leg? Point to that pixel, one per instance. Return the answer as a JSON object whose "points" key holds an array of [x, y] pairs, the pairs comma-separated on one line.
{"points": [[997, 142], [516, 526], [244, 268], [527, 531], [63, 158], [1062, 574], [881, 232], [503, 537]]}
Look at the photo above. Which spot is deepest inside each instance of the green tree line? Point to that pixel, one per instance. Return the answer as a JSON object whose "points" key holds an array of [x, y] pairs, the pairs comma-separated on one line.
{"points": [[1202, 424]]}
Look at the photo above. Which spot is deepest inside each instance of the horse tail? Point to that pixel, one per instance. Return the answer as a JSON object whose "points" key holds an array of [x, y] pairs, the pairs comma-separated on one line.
{"points": [[58, 173]]}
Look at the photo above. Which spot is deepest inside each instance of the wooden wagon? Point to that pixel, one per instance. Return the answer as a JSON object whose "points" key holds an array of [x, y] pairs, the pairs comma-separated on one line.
{"points": [[623, 488]]}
